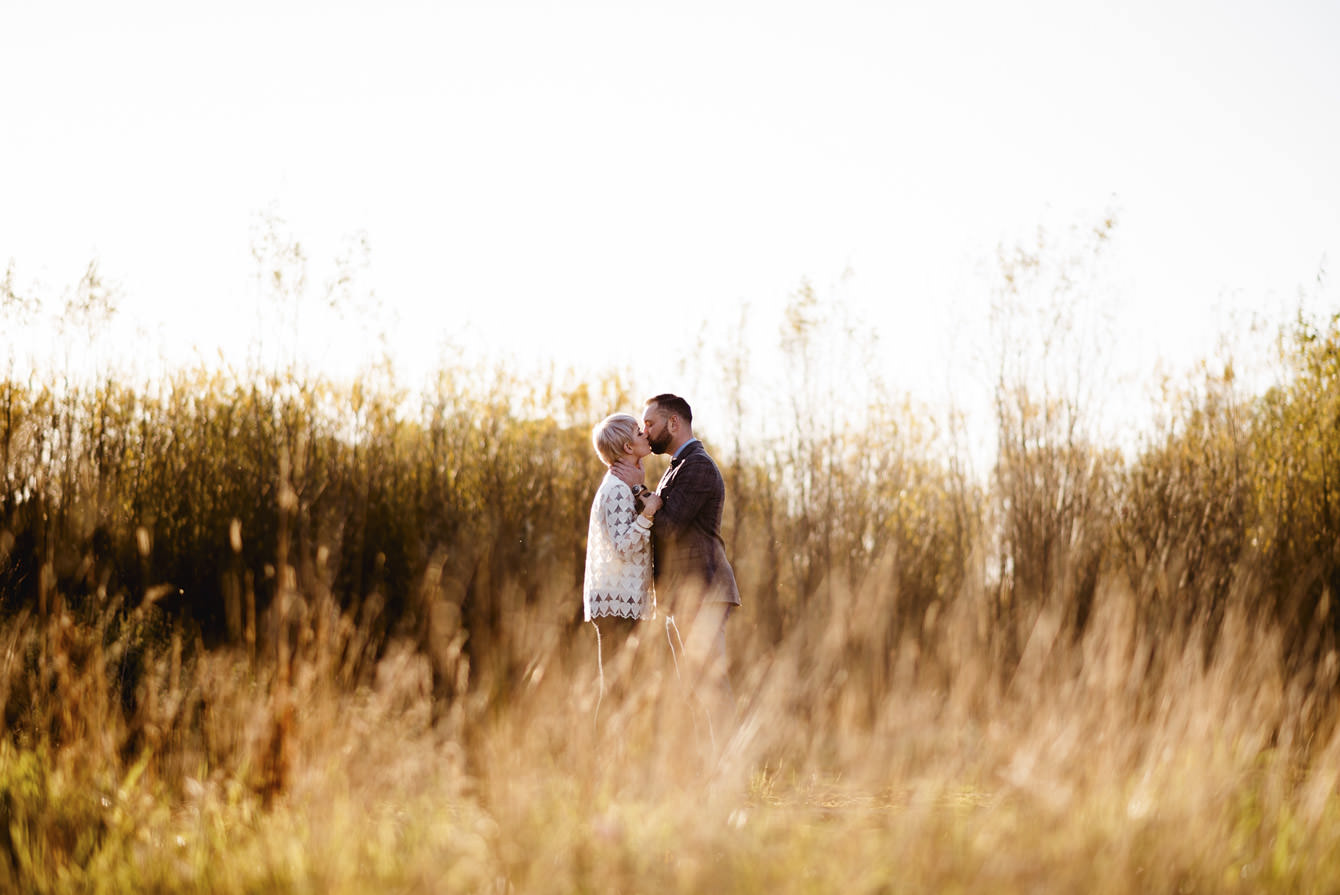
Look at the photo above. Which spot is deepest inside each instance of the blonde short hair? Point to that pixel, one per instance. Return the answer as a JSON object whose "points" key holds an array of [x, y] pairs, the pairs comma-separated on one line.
{"points": [[611, 434]]}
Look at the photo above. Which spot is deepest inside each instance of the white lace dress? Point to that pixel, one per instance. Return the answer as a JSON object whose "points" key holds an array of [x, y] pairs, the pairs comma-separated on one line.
{"points": [[618, 556]]}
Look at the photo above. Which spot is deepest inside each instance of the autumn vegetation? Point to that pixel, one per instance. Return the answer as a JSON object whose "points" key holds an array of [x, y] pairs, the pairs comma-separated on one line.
{"points": [[261, 630]]}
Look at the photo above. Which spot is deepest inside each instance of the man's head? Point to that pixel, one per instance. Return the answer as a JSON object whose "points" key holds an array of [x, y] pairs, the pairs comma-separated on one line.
{"points": [[668, 422]]}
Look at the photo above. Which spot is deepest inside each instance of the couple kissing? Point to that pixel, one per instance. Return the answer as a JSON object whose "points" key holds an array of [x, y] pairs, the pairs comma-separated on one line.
{"points": [[659, 552]]}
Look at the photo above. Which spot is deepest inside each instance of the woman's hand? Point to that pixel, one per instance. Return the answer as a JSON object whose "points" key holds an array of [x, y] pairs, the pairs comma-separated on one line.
{"points": [[651, 502]]}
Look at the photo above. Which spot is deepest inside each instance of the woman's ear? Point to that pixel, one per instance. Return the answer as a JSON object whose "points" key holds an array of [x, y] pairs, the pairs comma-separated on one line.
{"points": [[628, 447]]}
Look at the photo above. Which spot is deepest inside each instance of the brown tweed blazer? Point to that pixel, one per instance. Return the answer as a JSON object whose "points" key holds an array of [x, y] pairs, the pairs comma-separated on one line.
{"points": [[688, 554]]}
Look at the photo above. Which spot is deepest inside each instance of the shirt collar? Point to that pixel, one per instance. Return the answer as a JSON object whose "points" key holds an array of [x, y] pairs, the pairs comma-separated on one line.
{"points": [[681, 448]]}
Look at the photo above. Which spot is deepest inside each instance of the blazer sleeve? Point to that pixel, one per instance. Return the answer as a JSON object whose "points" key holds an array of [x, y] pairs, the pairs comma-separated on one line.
{"points": [[685, 495]]}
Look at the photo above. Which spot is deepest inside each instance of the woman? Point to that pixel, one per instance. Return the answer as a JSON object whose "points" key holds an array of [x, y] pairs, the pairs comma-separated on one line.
{"points": [[617, 591]]}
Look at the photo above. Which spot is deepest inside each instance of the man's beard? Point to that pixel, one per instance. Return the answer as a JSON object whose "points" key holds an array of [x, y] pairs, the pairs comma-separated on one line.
{"points": [[658, 445]]}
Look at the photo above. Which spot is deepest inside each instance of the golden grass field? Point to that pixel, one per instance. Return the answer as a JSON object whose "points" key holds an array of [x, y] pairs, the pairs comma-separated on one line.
{"points": [[1104, 764], [267, 633]]}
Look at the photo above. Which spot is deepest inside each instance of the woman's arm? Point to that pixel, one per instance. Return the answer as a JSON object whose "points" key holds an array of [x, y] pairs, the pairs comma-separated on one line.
{"points": [[629, 531]]}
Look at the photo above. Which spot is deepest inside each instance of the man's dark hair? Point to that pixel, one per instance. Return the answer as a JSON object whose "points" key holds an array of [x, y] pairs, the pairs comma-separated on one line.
{"points": [[673, 404]]}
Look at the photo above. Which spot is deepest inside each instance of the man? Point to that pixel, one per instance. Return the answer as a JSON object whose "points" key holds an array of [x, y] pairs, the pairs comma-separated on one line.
{"points": [[695, 584]]}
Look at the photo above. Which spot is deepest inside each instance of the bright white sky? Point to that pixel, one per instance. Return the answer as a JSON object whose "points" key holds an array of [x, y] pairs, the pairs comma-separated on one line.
{"points": [[548, 177]]}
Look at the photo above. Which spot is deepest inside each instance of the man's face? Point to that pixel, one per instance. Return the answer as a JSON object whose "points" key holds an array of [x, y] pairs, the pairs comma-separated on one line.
{"points": [[657, 426]]}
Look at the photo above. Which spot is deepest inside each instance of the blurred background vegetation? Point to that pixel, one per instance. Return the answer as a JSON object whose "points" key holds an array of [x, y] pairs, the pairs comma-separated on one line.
{"points": [[211, 488], [191, 565]]}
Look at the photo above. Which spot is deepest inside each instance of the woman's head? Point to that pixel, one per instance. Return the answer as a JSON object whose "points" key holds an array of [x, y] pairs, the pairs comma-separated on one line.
{"points": [[619, 435]]}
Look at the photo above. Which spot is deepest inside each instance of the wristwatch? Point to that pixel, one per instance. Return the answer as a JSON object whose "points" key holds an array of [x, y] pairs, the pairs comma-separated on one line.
{"points": [[639, 490]]}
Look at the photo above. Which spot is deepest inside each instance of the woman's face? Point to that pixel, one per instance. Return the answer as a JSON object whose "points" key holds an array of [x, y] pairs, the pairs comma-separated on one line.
{"points": [[641, 446]]}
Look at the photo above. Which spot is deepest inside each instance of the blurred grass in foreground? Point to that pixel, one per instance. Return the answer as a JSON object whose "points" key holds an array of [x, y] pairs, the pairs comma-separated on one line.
{"points": [[266, 633], [1088, 766]]}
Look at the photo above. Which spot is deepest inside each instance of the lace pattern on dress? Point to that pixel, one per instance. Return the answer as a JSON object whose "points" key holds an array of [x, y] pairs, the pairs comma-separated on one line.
{"points": [[618, 556]]}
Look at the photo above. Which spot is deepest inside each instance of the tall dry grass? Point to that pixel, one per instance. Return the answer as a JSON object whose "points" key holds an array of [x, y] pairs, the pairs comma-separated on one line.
{"points": [[1112, 762], [265, 633]]}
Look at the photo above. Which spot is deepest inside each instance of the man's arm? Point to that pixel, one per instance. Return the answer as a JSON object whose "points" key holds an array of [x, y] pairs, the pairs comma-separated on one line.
{"points": [[694, 484]]}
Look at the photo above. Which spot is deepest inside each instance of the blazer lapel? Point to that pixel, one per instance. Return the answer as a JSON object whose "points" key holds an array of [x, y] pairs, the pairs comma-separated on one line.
{"points": [[669, 475]]}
